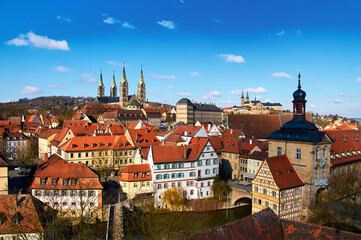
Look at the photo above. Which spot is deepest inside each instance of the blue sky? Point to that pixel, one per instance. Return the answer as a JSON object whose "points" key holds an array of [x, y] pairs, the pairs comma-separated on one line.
{"points": [[203, 50]]}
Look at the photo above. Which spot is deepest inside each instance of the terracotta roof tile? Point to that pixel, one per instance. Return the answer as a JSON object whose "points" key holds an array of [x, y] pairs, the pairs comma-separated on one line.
{"points": [[283, 173], [143, 137], [141, 171]]}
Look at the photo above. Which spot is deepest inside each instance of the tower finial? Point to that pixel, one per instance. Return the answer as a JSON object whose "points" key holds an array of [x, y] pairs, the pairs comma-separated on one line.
{"points": [[101, 78], [299, 78]]}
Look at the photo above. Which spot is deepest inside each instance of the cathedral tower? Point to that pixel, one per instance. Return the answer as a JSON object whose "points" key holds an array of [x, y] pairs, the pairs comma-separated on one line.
{"points": [[101, 86], [113, 88], [247, 97], [123, 91], [242, 99], [141, 88]]}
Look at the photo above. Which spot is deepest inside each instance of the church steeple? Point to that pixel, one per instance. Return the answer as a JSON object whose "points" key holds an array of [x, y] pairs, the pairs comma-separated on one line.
{"points": [[113, 88], [299, 101], [141, 88], [123, 90], [101, 86], [242, 99], [247, 97]]}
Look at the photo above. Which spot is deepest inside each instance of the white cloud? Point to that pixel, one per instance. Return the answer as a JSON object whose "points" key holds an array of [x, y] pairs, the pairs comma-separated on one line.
{"points": [[216, 20], [313, 106], [212, 95], [30, 90], [182, 1], [167, 24], [61, 69], [116, 63], [194, 73], [337, 101], [39, 41], [184, 94], [163, 76], [88, 78], [281, 75], [341, 94], [171, 87], [110, 20], [358, 79], [56, 85], [283, 32], [128, 25], [251, 90], [233, 58], [63, 19]]}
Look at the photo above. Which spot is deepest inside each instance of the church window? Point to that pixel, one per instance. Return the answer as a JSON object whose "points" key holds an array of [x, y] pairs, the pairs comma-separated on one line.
{"points": [[317, 154], [316, 173]]}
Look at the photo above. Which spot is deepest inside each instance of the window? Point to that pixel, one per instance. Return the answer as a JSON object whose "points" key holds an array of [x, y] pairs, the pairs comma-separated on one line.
{"points": [[65, 182], [148, 184], [283, 194], [255, 200], [324, 153], [256, 189], [235, 166], [65, 204], [267, 204], [274, 207], [283, 207], [79, 155], [296, 191], [73, 204], [317, 154], [199, 163], [73, 182], [298, 153], [191, 192], [296, 204], [135, 185], [316, 173], [71, 155], [264, 191], [324, 172], [42, 181], [279, 151], [259, 201], [54, 182], [273, 194], [208, 162], [208, 171], [173, 185], [91, 193]]}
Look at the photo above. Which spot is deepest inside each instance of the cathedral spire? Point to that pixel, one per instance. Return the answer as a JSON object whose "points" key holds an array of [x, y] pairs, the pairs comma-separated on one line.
{"points": [[101, 79], [242, 96], [141, 79], [113, 83], [124, 78]]}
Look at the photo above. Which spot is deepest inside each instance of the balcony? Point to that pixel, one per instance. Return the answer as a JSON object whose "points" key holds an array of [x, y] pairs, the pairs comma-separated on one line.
{"points": [[321, 182]]}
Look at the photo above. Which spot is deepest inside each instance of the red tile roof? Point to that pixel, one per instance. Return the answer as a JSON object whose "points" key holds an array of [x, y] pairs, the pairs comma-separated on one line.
{"points": [[91, 143], [57, 168], [215, 142], [71, 123], [188, 130], [133, 124], [344, 141], [258, 155], [283, 173], [168, 154], [22, 204], [143, 137], [266, 225], [127, 173]]}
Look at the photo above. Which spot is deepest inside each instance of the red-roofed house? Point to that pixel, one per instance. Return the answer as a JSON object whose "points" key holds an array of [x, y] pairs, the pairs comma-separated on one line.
{"points": [[138, 124], [54, 122], [278, 186], [153, 116], [345, 151], [71, 188], [136, 179], [19, 219], [191, 168], [210, 127]]}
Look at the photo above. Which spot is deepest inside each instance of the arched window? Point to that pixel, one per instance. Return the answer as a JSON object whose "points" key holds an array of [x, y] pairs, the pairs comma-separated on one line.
{"points": [[316, 173], [317, 153]]}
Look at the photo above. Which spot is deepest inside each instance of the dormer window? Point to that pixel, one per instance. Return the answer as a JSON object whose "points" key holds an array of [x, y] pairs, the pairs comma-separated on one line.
{"points": [[73, 181], [143, 175], [345, 138], [54, 182], [279, 173], [345, 154], [357, 137], [290, 171], [94, 145], [73, 145], [65, 182], [42, 181], [135, 175]]}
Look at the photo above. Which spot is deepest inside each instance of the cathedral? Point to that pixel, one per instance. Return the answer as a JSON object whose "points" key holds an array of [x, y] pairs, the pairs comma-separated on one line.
{"points": [[124, 100]]}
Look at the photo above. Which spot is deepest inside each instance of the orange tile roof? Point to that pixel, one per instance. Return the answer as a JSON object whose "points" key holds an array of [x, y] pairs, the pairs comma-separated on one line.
{"points": [[127, 174], [187, 129], [71, 123], [91, 143], [168, 154], [45, 133], [283, 173], [143, 137], [133, 124], [57, 168], [19, 204], [215, 142], [54, 120]]}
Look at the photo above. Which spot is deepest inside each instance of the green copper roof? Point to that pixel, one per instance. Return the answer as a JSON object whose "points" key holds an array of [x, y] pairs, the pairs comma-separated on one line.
{"points": [[141, 79], [124, 78], [113, 83], [101, 84]]}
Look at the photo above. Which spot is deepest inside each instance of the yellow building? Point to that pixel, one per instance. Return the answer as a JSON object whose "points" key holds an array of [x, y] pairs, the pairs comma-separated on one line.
{"points": [[255, 161], [99, 152], [4, 177], [278, 186], [190, 112], [136, 179]]}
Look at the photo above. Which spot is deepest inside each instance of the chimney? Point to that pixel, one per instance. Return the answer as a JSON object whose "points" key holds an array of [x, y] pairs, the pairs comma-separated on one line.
{"points": [[185, 152], [185, 133], [250, 141], [137, 136]]}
